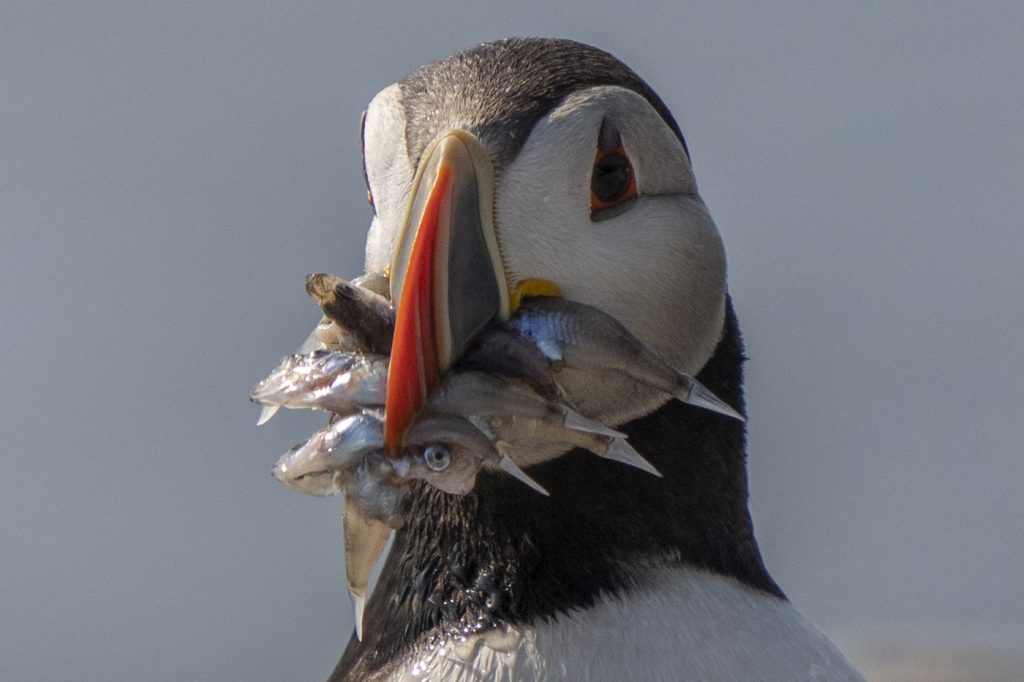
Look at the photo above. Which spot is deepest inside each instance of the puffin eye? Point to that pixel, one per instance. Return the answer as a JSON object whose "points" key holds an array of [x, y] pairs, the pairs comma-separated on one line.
{"points": [[612, 177], [437, 457], [612, 182]]}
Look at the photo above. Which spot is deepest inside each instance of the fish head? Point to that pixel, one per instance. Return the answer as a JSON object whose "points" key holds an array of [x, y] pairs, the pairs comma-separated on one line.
{"points": [[319, 483], [322, 464], [445, 451]]}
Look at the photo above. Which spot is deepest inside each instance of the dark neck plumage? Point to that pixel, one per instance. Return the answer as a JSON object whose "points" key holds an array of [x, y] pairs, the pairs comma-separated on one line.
{"points": [[505, 554]]}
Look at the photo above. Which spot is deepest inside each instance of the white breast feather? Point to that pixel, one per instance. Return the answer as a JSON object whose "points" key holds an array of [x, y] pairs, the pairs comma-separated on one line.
{"points": [[692, 625]]}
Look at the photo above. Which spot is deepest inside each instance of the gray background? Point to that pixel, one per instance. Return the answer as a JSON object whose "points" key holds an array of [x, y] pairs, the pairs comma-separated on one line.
{"points": [[170, 171]]}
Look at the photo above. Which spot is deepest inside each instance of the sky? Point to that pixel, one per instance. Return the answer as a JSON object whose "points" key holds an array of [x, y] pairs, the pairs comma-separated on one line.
{"points": [[169, 172]]}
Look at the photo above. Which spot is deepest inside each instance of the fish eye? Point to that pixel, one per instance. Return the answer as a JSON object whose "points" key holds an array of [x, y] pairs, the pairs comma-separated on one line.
{"points": [[437, 457]]}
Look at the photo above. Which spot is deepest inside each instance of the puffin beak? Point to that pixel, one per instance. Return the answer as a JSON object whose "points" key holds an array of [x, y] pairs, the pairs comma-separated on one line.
{"points": [[447, 278]]}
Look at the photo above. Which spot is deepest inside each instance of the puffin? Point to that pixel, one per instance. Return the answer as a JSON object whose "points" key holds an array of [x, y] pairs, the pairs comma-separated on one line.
{"points": [[527, 167]]}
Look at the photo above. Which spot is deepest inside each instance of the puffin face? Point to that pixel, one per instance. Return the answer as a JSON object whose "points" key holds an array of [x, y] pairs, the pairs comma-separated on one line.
{"points": [[593, 198], [656, 262]]}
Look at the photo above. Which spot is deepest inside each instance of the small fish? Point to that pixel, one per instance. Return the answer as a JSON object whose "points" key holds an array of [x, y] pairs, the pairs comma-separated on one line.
{"points": [[374, 282], [365, 541], [501, 351], [325, 463], [375, 488], [375, 505], [364, 315], [311, 343], [448, 451], [325, 379], [530, 441], [329, 335], [479, 394], [590, 343], [348, 456]]}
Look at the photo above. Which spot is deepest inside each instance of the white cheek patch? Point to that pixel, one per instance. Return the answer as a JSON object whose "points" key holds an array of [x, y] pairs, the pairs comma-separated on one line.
{"points": [[390, 174], [659, 267]]}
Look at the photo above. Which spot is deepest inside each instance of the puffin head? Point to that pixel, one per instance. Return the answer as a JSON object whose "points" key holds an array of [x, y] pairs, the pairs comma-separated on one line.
{"points": [[565, 175], [546, 167]]}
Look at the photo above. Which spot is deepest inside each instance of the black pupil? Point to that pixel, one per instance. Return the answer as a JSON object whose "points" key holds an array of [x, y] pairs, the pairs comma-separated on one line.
{"points": [[437, 457], [611, 177]]}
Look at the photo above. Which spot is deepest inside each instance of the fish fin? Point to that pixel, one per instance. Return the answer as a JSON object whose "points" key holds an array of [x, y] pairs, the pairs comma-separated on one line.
{"points": [[697, 394], [365, 539], [481, 424], [577, 422], [621, 451], [267, 413], [511, 468]]}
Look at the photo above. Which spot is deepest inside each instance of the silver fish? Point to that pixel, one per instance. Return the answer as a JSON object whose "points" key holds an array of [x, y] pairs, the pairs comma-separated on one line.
{"points": [[377, 490], [330, 335], [447, 451], [530, 441], [324, 464], [374, 282], [523, 424], [485, 395], [501, 351], [348, 456], [365, 541], [325, 379], [585, 344], [311, 343], [375, 504]]}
